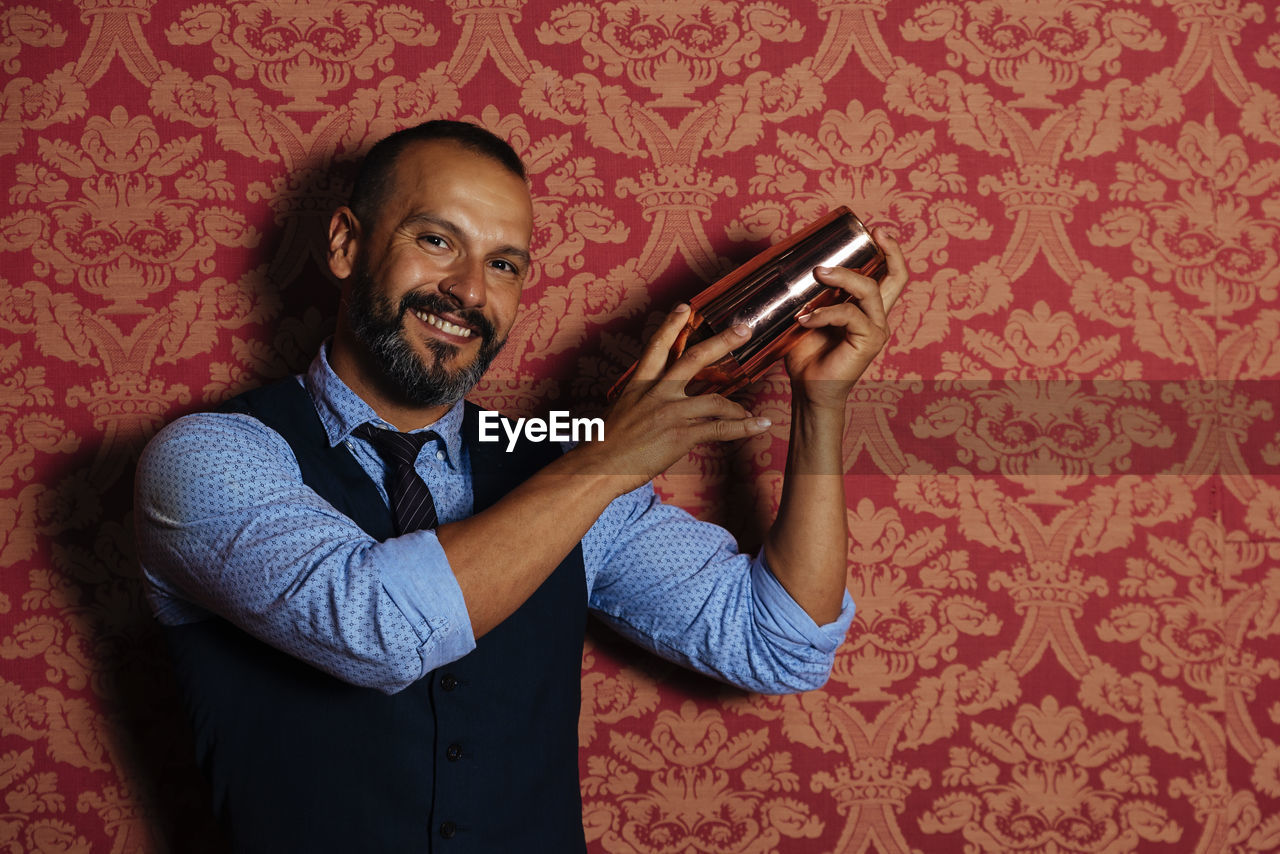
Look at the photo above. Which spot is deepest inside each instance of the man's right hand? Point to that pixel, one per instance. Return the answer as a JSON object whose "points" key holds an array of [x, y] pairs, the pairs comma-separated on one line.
{"points": [[654, 422]]}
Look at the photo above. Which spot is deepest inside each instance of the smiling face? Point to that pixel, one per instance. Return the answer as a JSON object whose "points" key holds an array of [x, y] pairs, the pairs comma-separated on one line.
{"points": [[432, 285]]}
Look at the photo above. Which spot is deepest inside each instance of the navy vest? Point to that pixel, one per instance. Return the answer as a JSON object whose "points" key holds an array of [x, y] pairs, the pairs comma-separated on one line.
{"points": [[480, 755]]}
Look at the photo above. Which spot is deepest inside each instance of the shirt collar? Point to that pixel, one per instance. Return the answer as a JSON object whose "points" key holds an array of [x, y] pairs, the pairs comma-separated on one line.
{"points": [[341, 410]]}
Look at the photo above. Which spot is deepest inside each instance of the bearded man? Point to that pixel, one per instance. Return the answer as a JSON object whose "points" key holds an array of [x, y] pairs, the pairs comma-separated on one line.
{"points": [[377, 619]]}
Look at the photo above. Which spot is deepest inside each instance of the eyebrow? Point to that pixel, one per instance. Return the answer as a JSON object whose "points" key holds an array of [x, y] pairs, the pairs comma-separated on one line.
{"points": [[419, 219]]}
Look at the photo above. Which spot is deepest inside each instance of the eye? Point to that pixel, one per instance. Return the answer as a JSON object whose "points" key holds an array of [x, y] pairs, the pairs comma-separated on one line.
{"points": [[512, 269], [433, 240]]}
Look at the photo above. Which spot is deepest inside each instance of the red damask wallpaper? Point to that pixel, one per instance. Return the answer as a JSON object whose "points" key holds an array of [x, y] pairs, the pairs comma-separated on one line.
{"points": [[1064, 501]]}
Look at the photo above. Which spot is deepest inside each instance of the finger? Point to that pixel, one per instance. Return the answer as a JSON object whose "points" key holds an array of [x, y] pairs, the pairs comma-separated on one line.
{"points": [[704, 407], [848, 317], [896, 279], [865, 290], [727, 429], [705, 353], [657, 352]]}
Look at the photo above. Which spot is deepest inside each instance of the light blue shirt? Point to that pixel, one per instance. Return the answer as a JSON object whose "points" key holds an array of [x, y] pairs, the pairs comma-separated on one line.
{"points": [[227, 527]]}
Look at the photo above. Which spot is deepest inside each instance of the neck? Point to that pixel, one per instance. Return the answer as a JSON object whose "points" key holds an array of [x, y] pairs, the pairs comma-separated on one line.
{"points": [[353, 365]]}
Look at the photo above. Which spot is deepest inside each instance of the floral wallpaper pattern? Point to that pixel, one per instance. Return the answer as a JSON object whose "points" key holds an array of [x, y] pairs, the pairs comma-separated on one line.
{"points": [[1063, 473]]}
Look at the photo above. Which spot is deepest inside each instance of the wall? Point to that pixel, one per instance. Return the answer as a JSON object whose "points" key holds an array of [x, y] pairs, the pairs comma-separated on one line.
{"points": [[1064, 509]]}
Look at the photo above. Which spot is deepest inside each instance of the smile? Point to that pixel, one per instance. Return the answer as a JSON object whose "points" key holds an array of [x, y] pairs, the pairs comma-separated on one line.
{"points": [[443, 325]]}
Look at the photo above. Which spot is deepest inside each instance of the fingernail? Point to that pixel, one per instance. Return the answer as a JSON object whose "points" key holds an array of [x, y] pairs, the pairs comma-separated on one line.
{"points": [[681, 308], [804, 318], [761, 423], [822, 271], [742, 330]]}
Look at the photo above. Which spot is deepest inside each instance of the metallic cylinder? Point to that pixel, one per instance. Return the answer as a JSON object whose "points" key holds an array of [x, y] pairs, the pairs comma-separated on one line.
{"points": [[769, 292]]}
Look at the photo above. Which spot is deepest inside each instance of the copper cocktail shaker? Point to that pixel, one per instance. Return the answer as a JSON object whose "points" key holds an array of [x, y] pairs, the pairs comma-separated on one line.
{"points": [[768, 293]]}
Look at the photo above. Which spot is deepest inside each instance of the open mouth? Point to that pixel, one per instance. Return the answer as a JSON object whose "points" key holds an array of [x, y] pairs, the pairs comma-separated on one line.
{"points": [[445, 326]]}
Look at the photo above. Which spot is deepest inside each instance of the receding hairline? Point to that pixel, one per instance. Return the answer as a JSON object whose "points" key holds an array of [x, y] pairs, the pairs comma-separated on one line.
{"points": [[526, 196], [377, 172], [459, 145]]}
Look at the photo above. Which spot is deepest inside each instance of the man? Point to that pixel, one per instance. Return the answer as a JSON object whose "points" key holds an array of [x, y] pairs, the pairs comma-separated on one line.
{"points": [[360, 683]]}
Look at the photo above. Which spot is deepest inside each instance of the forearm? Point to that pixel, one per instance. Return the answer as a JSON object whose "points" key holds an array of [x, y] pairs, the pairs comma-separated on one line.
{"points": [[501, 555], [807, 545]]}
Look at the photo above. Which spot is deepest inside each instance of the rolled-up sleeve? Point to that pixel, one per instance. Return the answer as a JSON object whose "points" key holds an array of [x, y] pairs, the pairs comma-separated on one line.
{"points": [[226, 527], [680, 587]]}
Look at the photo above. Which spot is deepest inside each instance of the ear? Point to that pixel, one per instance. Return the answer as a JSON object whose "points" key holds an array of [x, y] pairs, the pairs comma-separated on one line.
{"points": [[344, 237]]}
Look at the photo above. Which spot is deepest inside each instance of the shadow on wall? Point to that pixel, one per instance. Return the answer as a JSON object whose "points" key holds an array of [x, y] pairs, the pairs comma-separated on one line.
{"points": [[145, 731]]}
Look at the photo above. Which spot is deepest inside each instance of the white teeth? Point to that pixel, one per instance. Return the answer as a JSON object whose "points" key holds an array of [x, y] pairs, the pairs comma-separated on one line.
{"points": [[443, 325]]}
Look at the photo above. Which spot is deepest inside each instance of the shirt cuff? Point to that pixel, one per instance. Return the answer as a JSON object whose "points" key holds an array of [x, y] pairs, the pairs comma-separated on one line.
{"points": [[778, 613], [417, 577]]}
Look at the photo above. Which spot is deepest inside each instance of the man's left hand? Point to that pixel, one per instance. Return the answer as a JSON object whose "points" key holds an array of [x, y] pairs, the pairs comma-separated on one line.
{"points": [[824, 367]]}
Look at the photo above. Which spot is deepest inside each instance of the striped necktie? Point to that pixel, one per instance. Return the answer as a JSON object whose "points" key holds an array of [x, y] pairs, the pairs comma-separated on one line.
{"points": [[411, 503]]}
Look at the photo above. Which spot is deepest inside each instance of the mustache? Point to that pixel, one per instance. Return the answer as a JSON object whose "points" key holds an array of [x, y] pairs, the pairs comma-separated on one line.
{"points": [[436, 303]]}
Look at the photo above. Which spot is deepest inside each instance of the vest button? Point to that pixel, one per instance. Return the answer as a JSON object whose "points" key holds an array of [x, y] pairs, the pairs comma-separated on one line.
{"points": [[448, 681], [453, 752], [448, 830]]}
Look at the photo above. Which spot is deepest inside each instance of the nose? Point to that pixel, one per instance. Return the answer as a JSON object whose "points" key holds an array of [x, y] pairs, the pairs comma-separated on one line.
{"points": [[465, 283]]}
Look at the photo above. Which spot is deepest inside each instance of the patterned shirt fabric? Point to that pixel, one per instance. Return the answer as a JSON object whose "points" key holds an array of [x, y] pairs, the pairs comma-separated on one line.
{"points": [[227, 527]]}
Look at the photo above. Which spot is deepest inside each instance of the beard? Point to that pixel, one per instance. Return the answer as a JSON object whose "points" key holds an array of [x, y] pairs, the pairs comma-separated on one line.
{"points": [[413, 379]]}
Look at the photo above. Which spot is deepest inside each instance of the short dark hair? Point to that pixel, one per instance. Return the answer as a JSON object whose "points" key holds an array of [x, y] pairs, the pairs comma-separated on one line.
{"points": [[374, 177]]}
